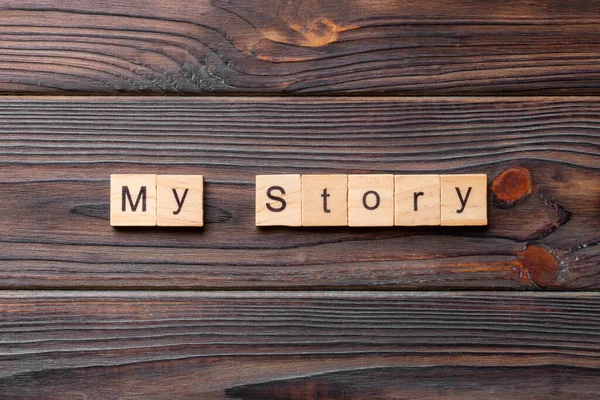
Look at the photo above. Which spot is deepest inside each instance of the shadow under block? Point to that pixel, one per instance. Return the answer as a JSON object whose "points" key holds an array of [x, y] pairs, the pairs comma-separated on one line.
{"points": [[464, 200], [180, 200], [417, 200], [325, 200], [278, 200], [133, 200], [370, 200]]}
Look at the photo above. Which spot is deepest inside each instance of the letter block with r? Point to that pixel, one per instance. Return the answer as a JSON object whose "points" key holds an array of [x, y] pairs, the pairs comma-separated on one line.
{"points": [[417, 200]]}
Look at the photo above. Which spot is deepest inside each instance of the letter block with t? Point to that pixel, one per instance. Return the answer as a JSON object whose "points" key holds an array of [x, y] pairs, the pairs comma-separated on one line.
{"points": [[464, 200], [278, 200], [324, 200], [180, 200], [133, 200]]}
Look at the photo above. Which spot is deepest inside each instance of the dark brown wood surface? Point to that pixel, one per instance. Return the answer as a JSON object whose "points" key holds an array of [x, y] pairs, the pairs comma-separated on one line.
{"points": [[542, 157], [319, 345], [230, 311], [304, 46]]}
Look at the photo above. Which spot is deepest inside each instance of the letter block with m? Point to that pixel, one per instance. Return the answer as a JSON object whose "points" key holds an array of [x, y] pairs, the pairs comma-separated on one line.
{"points": [[133, 200]]}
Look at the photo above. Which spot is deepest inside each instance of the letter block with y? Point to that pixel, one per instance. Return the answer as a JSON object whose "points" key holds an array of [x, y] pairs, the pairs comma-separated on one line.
{"points": [[133, 200], [278, 200], [464, 200], [180, 200]]}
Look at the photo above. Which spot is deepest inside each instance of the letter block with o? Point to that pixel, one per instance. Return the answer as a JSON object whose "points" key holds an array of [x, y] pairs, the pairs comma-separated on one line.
{"points": [[133, 200], [371, 200]]}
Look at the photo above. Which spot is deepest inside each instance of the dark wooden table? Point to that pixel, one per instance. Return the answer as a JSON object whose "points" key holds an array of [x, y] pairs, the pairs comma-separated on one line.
{"points": [[232, 89]]}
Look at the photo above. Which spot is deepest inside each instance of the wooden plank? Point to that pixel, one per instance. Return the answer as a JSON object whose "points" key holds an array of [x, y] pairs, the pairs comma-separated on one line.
{"points": [[541, 155], [253, 345], [303, 46]]}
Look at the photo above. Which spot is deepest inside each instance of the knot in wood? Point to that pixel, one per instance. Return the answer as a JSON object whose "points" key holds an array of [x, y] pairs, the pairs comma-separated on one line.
{"points": [[512, 185], [540, 265]]}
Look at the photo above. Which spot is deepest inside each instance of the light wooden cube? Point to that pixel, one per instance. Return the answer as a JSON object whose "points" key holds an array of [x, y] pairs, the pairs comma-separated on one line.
{"points": [[324, 200], [464, 200], [180, 200], [370, 200], [417, 200], [278, 200], [133, 200]]}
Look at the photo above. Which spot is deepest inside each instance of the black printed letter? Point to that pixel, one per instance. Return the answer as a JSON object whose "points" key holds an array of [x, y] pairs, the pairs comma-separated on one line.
{"points": [[280, 199], [416, 199], [325, 195], [179, 202], [377, 200], [463, 202], [126, 195]]}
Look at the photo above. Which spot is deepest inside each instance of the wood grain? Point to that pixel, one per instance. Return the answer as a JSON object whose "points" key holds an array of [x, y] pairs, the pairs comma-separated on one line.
{"points": [[303, 46], [541, 155], [287, 337], [250, 345], [532, 382]]}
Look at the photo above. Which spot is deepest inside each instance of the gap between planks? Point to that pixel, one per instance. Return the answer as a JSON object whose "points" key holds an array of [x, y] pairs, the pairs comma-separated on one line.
{"points": [[257, 294]]}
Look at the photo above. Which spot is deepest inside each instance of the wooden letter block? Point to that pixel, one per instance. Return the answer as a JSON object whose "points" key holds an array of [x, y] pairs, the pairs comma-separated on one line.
{"points": [[180, 200], [417, 200], [133, 200], [278, 200], [464, 200], [370, 200], [324, 200]]}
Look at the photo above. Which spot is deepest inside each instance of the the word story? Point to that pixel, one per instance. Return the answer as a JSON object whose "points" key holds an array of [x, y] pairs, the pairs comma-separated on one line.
{"points": [[371, 200]]}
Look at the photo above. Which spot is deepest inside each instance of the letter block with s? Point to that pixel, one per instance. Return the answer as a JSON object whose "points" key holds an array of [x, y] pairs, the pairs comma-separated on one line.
{"points": [[133, 200], [278, 200]]}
